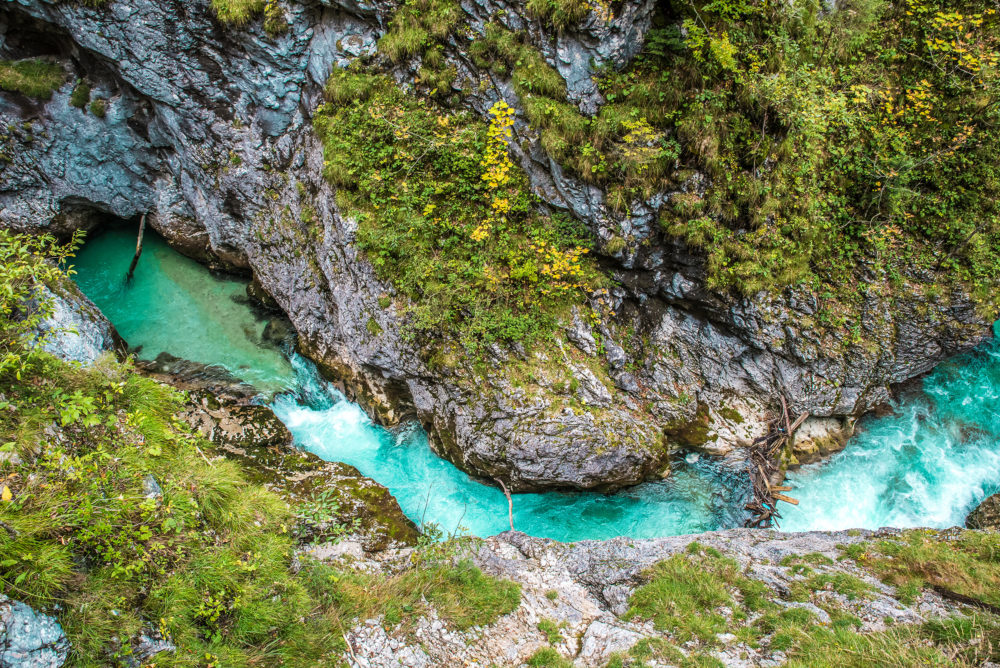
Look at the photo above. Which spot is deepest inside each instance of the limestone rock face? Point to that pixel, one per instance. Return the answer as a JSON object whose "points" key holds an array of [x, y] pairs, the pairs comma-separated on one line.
{"points": [[29, 639], [986, 516], [818, 438], [208, 131], [584, 591], [76, 331]]}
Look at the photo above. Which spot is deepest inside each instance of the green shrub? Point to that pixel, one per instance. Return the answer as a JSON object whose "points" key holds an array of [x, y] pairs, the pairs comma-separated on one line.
{"points": [[209, 564], [99, 107], [237, 12], [416, 24], [81, 95], [475, 257], [561, 14], [28, 264], [34, 78]]}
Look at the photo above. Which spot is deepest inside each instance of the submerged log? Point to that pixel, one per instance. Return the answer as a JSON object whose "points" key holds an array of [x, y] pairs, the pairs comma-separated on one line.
{"points": [[138, 250]]}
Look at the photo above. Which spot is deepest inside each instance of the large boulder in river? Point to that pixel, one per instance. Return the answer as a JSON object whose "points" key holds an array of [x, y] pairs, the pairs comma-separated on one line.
{"points": [[29, 639], [986, 516]]}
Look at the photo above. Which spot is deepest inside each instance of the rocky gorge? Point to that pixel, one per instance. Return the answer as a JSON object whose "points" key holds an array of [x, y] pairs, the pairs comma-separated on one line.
{"points": [[212, 122], [207, 130]]}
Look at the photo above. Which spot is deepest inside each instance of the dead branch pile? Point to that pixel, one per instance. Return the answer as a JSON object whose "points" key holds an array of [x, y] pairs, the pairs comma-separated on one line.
{"points": [[765, 471]]}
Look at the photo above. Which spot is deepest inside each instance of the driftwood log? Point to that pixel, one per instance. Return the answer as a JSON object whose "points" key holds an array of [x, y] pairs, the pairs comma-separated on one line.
{"points": [[138, 249], [765, 470]]}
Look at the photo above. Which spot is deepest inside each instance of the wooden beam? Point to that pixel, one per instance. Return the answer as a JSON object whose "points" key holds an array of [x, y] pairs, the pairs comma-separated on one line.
{"points": [[798, 422]]}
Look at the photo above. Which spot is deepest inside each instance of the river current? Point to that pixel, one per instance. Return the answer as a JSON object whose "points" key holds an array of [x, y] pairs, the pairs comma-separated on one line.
{"points": [[926, 464]]}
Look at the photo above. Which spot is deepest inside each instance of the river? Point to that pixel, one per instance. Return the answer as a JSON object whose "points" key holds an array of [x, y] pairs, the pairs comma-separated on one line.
{"points": [[926, 464]]}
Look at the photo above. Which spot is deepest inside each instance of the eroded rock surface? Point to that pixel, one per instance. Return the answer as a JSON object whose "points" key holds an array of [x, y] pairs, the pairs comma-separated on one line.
{"points": [[584, 589], [208, 130], [986, 516], [29, 639], [76, 330]]}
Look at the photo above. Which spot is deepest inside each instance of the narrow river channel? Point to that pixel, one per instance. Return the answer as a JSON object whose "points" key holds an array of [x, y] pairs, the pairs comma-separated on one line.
{"points": [[927, 464]]}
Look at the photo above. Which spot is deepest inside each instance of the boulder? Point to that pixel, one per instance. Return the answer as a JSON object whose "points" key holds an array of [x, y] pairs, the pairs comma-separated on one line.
{"points": [[76, 330], [986, 516], [29, 639]]}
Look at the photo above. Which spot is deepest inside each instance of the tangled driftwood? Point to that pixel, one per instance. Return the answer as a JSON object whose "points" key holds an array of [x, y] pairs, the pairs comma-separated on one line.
{"points": [[765, 472]]}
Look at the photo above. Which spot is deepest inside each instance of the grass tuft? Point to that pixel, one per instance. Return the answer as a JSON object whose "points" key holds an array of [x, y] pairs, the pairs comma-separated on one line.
{"points": [[34, 78]]}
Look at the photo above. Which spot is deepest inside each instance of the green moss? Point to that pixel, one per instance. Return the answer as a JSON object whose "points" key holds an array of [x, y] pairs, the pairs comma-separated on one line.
{"points": [[34, 78], [275, 23], [237, 12], [414, 25], [693, 432], [81, 95], [99, 108], [561, 14], [731, 414], [550, 630], [373, 327], [548, 658]]}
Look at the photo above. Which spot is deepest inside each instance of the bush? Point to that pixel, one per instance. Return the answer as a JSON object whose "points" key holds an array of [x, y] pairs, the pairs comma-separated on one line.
{"points": [[28, 264], [209, 564], [237, 12], [446, 216], [81, 95], [99, 107]]}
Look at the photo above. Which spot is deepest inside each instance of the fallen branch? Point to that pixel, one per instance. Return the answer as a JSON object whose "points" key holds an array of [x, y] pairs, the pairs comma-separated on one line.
{"points": [[763, 468], [138, 249], [966, 600], [510, 502]]}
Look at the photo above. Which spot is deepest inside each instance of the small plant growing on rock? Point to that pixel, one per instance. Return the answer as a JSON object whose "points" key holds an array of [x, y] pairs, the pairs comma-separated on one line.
{"points": [[99, 108], [34, 78], [81, 95]]}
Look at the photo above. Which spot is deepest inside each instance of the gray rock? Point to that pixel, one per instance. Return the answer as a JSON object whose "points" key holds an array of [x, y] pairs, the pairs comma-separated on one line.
{"points": [[594, 581], [29, 639], [986, 516], [76, 330], [208, 130], [150, 488]]}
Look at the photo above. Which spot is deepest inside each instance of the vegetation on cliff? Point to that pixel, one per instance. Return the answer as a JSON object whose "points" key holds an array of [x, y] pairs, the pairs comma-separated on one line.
{"points": [[798, 146], [124, 522], [34, 78], [445, 215]]}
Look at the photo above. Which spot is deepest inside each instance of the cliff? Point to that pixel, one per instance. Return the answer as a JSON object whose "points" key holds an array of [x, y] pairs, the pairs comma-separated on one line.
{"points": [[207, 124]]}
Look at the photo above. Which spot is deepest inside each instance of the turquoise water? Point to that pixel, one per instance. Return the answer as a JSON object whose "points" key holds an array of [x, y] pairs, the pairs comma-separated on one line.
{"points": [[175, 305], [431, 490], [926, 465]]}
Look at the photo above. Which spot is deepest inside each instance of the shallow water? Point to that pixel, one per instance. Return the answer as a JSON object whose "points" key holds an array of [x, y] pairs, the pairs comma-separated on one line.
{"points": [[925, 466], [175, 305]]}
